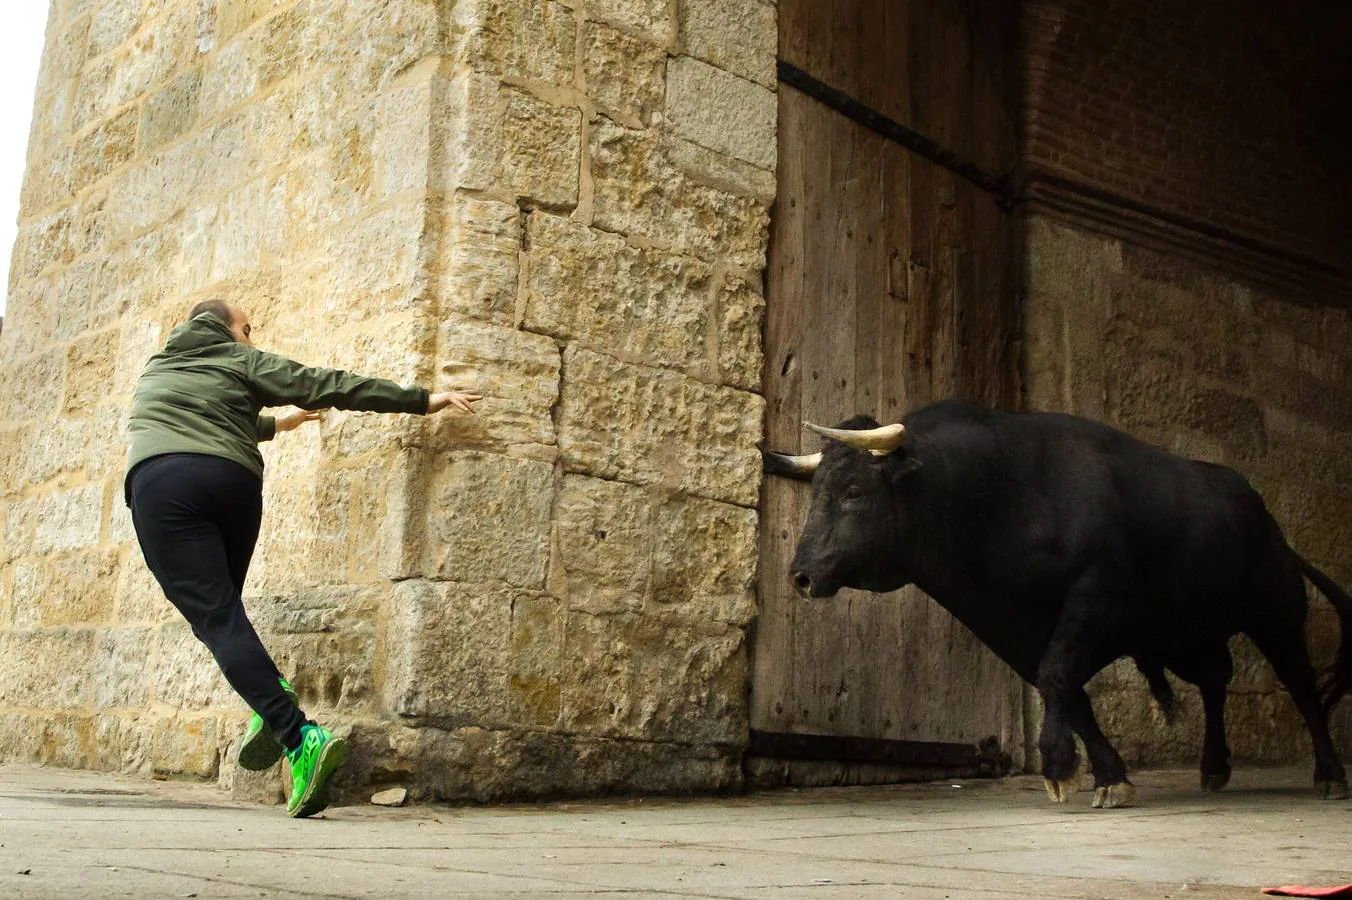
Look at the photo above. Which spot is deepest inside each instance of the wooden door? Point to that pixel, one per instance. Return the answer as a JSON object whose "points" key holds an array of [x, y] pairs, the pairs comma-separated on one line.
{"points": [[892, 282]]}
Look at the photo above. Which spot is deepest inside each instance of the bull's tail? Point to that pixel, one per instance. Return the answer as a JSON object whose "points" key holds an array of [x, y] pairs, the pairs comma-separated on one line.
{"points": [[1341, 678]]}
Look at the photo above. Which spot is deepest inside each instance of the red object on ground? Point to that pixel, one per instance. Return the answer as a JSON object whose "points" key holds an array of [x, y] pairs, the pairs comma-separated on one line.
{"points": [[1295, 890]]}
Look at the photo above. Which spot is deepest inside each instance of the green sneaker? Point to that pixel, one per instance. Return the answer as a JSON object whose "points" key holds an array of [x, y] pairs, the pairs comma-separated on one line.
{"points": [[312, 765], [260, 747]]}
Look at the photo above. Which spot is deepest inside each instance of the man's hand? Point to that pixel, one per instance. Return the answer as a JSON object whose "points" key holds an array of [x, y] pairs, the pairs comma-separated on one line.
{"points": [[437, 402], [294, 419]]}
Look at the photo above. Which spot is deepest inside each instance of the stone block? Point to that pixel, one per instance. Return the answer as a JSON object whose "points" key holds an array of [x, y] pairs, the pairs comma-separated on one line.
{"points": [[488, 519], [185, 746], [720, 171], [1071, 264], [268, 788], [394, 347], [740, 36], [230, 77], [90, 365], [449, 651], [541, 151], [48, 669], [155, 53], [74, 297], [140, 340], [704, 560], [474, 109], [69, 520], [653, 678], [95, 92], [625, 76], [6, 596], [721, 111], [324, 640], [516, 373], [21, 524], [104, 149], [651, 426], [55, 448], [535, 41], [185, 675], [601, 559], [46, 738], [239, 240], [121, 677], [378, 264], [14, 443], [306, 542], [650, 19], [402, 144], [111, 26], [483, 765], [481, 259], [121, 744], [46, 240], [140, 600], [66, 50], [234, 16], [509, 141], [255, 62], [171, 111], [535, 661], [637, 191], [28, 327], [589, 287], [741, 316], [369, 43], [76, 589], [120, 527]]}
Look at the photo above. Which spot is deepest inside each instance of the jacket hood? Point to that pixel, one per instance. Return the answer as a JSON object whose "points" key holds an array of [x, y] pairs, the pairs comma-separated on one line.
{"points": [[204, 330]]}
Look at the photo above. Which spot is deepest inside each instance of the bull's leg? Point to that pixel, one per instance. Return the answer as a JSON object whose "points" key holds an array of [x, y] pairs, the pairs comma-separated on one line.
{"points": [[1060, 762], [1111, 787], [1284, 646], [1076, 651], [1210, 669]]}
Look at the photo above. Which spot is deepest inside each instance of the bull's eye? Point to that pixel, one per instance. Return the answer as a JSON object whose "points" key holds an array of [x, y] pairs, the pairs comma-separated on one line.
{"points": [[853, 493]]}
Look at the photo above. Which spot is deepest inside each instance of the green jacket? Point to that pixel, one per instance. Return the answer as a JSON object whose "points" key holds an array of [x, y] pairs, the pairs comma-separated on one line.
{"points": [[204, 391]]}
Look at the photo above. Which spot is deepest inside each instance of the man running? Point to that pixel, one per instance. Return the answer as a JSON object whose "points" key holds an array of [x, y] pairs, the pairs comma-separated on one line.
{"points": [[194, 485]]}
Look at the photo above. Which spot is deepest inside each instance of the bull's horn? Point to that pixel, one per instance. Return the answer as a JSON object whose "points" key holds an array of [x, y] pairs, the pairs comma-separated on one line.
{"points": [[878, 441], [800, 467]]}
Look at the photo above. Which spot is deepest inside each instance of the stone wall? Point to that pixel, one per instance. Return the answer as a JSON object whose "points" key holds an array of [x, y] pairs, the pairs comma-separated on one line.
{"points": [[1193, 360], [560, 205]]}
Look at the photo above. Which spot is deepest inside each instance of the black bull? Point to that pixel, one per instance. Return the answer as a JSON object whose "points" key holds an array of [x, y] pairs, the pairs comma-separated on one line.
{"points": [[1064, 545]]}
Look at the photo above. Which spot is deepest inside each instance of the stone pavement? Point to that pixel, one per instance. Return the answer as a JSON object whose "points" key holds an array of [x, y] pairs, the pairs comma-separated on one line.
{"points": [[75, 834]]}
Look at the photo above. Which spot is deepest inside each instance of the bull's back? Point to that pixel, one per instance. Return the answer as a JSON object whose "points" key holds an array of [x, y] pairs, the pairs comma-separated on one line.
{"points": [[1185, 547]]}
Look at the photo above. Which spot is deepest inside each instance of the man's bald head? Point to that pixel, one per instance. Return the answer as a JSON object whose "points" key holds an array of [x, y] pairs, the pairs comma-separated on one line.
{"points": [[234, 318]]}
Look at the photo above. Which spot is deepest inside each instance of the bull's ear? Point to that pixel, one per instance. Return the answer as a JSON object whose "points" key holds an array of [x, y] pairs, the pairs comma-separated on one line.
{"points": [[799, 468], [902, 464]]}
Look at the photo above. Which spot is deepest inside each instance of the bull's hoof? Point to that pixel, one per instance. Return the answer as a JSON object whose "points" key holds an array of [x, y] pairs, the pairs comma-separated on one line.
{"points": [[1062, 791], [1113, 796], [1215, 782], [1331, 790]]}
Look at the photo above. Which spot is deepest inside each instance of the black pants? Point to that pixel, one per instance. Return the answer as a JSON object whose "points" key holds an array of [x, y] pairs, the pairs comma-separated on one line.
{"points": [[197, 520]]}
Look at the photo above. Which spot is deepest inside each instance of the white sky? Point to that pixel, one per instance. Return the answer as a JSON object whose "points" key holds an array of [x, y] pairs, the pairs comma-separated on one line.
{"points": [[21, 38]]}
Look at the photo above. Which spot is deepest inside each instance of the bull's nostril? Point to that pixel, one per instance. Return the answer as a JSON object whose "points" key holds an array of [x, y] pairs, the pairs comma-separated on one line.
{"points": [[802, 582]]}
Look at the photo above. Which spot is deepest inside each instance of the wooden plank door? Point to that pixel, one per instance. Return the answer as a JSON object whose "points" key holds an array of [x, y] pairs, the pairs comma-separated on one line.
{"points": [[892, 282]]}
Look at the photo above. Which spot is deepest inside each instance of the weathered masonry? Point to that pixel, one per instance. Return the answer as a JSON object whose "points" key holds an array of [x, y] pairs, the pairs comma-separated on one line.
{"points": [[652, 234]]}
